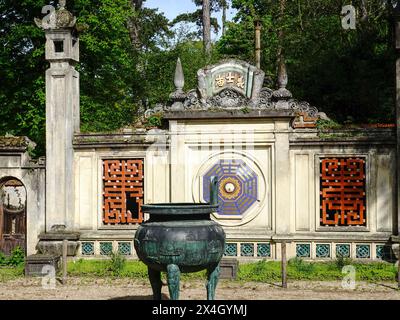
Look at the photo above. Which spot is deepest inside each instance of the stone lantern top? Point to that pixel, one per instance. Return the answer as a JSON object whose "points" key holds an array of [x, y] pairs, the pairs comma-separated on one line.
{"points": [[56, 19]]}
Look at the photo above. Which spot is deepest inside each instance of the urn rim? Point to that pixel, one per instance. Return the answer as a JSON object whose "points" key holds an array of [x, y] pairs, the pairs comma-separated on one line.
{"points": [[179, 208]]}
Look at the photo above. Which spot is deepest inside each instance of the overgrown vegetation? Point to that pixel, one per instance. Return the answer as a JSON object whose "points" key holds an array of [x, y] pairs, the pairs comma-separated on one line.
{"points": [[262, 271], [116, 264], [265, 271], [12, 266], [15, 259]]}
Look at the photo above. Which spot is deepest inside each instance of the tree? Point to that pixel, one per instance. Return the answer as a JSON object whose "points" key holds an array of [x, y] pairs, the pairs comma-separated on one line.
{"points": [[111, 71], [196, 17], [225, 7], [206, 27], [345, 73]]}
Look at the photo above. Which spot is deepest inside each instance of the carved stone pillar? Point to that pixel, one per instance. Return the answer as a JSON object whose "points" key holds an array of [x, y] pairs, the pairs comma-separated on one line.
{"points": [[62, 116]]}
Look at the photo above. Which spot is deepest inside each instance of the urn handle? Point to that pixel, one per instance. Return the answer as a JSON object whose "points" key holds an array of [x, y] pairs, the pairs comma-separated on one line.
{"points": [[214, 190]]}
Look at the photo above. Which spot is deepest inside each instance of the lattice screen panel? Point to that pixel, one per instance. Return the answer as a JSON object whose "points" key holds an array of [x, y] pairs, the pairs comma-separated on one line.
{"points": [[123, 182], [342, 194]]}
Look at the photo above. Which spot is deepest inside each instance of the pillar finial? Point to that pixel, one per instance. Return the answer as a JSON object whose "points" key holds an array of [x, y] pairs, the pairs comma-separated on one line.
{"points": [[56, 19], [282, 73], [179, 96], [282, 93], [179, 79]]}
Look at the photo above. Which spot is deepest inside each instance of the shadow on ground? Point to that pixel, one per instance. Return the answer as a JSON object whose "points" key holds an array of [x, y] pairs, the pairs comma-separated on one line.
{"points": [[164, 297]]}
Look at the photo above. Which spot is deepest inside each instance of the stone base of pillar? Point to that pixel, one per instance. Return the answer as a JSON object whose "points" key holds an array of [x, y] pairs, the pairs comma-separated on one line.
{"points": [[51, 243], [395, 240]]}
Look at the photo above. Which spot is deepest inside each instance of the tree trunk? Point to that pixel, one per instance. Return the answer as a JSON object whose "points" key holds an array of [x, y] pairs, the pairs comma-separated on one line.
{"points": [[207, 28], [281, 31], [364, 11], [133, 23], [224, 8]]}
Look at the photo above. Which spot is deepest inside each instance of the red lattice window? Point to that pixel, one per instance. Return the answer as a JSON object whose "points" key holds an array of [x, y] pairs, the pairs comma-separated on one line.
{"points": [[342, 184], [123, 191]]}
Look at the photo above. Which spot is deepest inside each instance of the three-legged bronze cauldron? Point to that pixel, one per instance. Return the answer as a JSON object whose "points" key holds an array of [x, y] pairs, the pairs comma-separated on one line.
{"points": [[181, 237]]}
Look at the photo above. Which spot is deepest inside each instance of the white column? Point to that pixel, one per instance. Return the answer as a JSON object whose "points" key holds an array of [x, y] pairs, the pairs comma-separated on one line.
{"points": [[282, 178]]}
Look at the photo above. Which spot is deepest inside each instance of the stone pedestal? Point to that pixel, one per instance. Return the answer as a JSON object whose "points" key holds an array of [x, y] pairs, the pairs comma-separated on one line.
{"points": [[40, 264], [51, 243], [229, 268]]}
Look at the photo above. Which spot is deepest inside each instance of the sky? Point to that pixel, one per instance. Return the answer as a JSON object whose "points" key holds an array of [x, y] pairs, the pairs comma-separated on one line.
{"points": [[172, 8]]}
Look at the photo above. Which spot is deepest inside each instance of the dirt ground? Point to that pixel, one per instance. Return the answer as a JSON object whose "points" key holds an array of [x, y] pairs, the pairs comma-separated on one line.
{"points": [[130, 289]]}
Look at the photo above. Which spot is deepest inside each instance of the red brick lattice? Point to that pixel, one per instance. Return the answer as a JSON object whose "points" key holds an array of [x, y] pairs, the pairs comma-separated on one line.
{"points": [[343, 200], [123, 191]]}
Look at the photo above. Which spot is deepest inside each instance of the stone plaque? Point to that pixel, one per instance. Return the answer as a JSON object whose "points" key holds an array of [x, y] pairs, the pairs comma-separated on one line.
{"points": [[230, 74]]}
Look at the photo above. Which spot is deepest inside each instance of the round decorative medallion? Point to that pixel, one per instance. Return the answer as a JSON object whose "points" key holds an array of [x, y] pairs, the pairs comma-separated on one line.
{"points": [[238, 186], [230, 187]]}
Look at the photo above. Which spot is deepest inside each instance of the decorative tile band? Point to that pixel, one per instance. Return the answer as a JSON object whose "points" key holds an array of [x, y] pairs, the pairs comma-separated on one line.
{"points": [[125, 248], [343, 250], [87, 248], [303, 250], [247, 250], [106, 248], [263, 250], [231, 250], [323, 250], [363, 251], [258, 250], [380, 251]]}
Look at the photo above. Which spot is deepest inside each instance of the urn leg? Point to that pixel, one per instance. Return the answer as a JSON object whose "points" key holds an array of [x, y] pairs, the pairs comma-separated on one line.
{"points": [[156, 284], [212, 281], [173, 278]]}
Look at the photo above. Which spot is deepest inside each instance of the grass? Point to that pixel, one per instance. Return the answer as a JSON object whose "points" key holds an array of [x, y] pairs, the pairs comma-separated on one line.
{"points": [[298, 269], [11, 273], [262, 271], [131, 269]]}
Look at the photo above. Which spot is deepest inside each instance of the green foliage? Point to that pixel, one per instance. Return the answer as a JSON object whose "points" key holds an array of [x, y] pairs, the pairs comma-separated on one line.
{"points": [[154, 121], [301, 266], [328, 124], [261, 271], [11, 273], [111, 68], [3, 259], [116, 264], [245, 110], [266, 271], [342, 72], [17, 257], [342, 261], [128, 58], [196, 17]]}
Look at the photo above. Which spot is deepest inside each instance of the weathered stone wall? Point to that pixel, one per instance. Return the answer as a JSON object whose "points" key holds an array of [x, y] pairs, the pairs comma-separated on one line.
{"points": [[286, 163], [16, 163]]}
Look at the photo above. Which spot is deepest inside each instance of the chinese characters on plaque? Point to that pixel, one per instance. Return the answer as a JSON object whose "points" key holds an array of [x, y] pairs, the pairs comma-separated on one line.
{"points": [[229, 79]]}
